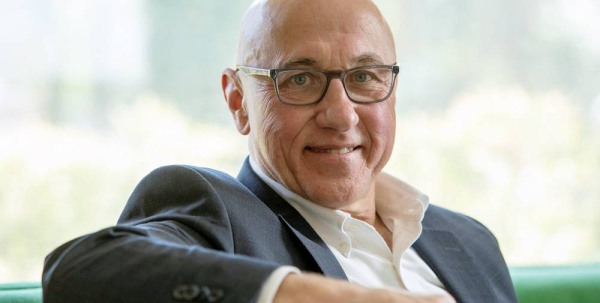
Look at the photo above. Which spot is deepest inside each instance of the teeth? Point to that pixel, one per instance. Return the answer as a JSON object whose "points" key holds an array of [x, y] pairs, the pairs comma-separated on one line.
{"points": [[341, 151]]}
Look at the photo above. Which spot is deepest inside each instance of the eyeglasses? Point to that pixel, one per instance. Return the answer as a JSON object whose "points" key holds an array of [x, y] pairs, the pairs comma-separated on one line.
{"points": [[303, 86]]}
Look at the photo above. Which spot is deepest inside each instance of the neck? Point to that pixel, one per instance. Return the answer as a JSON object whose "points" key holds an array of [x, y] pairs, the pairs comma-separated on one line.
{"points": [[365, 210]]}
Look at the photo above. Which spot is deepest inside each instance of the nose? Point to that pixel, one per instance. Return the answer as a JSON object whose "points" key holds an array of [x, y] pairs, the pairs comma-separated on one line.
{"points": [[336, 110]]}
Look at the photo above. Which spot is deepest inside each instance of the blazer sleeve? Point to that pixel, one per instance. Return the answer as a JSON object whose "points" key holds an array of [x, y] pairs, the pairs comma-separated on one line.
{"points": [[173, 242]]}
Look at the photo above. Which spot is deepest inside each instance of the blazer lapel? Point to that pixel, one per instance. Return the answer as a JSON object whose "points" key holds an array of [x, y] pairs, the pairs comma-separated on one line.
{"points": [[442, 251], [294, 221], [313, 243]]}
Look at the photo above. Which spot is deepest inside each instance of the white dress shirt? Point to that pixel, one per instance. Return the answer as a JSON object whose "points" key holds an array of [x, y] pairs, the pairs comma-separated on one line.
{"points": [[361, 251]]}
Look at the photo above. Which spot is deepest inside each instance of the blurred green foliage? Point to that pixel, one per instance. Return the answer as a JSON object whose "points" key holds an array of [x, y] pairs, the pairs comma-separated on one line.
{"points": [[498, 114]]}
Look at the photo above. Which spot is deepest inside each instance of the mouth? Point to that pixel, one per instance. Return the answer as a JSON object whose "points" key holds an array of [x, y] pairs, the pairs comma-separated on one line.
{"points": [[339, 151]]}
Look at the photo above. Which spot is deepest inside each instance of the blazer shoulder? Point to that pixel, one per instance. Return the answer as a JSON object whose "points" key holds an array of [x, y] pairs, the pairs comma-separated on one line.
{"points": [[183, 172], [186, 178], [474, 247], [180, 188], [440, 218]]}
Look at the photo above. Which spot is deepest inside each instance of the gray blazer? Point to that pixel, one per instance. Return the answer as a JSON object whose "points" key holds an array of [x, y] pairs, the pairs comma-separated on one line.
{"points": [[197, 234]]}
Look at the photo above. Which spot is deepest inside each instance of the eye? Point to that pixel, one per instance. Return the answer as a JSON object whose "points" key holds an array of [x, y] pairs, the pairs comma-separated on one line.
{"points": [[361, 76], [299, 79]]}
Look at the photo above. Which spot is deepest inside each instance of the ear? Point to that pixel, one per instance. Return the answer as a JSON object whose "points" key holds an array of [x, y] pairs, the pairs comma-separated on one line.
{"points": [[234, 96]]}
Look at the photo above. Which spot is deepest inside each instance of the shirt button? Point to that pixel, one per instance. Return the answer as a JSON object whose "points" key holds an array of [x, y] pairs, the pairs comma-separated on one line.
{"points": [[344, 248], [410, 211], [353, 227]]}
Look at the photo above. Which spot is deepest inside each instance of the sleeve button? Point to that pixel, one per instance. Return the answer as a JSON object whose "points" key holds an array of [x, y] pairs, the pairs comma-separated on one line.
{"points": [[215, 295], [186, 292]]}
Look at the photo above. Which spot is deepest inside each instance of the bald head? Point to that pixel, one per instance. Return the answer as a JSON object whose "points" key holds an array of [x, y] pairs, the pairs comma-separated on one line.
{"points": [[330, 151], [270, 27]]}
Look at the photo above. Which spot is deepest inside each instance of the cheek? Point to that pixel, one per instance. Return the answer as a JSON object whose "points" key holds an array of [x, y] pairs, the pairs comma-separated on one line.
{"points": [[381, 125], [269, 125], [279, 123], [271, 129], [265, 122], [384, 135], [388, 118], [281, 129]]}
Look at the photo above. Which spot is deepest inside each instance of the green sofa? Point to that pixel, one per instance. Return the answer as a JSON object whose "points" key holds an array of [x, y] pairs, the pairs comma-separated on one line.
{"points": [[27, 292], [540, 284], [557, 284]]}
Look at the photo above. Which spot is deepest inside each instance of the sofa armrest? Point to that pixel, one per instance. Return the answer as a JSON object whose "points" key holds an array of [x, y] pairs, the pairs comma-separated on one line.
{"points": [[26, 292], [557, 284]]}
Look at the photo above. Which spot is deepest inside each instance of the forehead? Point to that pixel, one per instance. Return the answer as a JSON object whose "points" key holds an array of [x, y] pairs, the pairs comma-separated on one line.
{"points": [[323, 34], [326, 48]]}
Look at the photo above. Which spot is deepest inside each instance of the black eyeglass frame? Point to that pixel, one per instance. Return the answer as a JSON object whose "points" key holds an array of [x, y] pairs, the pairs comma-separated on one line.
{"points": [[272, 73]]}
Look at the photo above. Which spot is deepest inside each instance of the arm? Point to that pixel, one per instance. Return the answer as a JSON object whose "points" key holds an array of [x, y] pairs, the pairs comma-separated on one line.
{"points": [[125, 264], [316, 288], [174, 239]]}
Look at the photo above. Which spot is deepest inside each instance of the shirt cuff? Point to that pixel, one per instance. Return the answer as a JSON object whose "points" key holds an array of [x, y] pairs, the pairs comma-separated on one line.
{"points": [[271, 285]]}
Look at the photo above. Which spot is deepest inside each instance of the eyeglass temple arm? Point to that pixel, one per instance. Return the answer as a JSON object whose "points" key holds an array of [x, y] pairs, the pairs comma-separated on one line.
{"points": [[254, 71]]}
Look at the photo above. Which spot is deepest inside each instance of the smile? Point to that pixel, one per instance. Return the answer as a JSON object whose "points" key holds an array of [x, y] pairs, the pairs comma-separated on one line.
{"points": [[340, 151]]}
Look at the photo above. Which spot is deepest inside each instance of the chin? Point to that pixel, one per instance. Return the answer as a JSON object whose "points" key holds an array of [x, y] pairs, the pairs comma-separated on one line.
{"points": [[334, 197]]}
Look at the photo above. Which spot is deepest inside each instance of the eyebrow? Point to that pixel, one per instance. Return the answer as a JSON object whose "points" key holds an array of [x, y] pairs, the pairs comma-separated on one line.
{"points": [[370, 59], [300, 62], [364, 59]]}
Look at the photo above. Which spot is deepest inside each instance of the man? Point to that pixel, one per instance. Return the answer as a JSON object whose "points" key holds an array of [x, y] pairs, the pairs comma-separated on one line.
{"points": [[310, 218]]}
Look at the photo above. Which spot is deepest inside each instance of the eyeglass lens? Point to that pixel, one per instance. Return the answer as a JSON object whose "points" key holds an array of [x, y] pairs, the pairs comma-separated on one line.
{"points": [[308, 86]]}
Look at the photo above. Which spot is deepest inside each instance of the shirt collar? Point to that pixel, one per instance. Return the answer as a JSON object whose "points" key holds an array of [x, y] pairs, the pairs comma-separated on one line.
{"points": [[400, 206], [394, 200]]}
